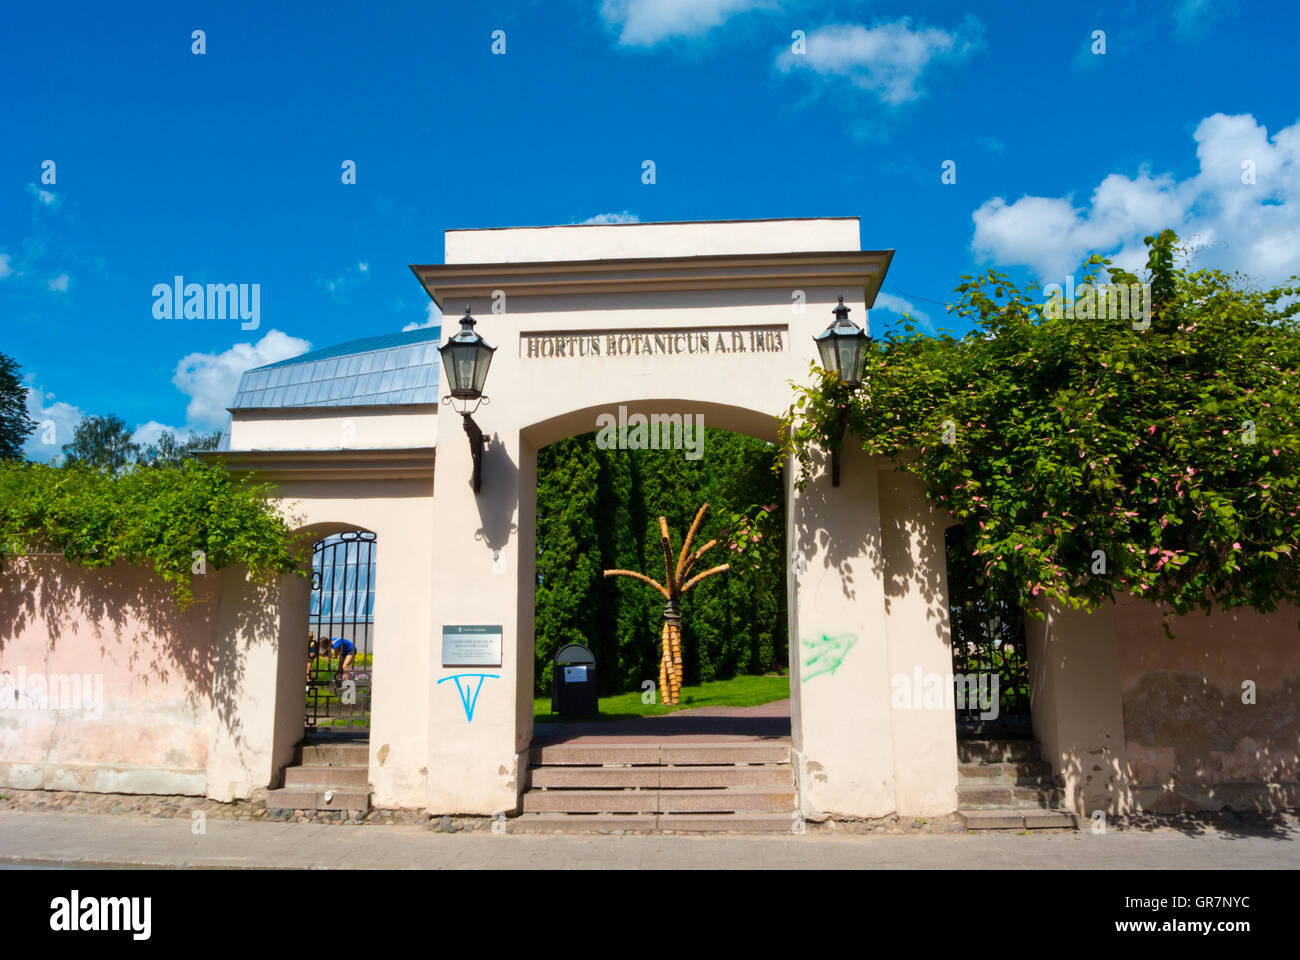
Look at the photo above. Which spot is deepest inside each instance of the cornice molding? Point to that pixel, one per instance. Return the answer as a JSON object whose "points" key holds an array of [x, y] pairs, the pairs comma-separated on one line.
{"points": [[845, 268], [403, 463]]}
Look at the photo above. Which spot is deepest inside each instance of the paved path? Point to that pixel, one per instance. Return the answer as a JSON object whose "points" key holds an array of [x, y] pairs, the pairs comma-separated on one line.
{"points": [[91, 840], [767, 721]]}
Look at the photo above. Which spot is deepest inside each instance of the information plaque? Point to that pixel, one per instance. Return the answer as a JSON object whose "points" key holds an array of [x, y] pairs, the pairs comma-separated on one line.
{"points": [[468, 645]]}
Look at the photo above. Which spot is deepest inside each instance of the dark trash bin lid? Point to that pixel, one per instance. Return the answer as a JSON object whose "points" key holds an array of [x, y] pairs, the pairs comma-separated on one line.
{"points": [[574, 653]]}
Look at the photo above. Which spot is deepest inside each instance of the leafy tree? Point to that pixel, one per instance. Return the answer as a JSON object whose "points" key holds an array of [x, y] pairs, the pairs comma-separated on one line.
{"points": [[167, 450], [15, 425], [1089, 456], [598, 509], [102, 443]]}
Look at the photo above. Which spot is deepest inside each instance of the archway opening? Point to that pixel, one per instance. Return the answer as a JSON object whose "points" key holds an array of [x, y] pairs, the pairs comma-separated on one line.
{"points": [[990, 660], [599, 499], [341, 635]]}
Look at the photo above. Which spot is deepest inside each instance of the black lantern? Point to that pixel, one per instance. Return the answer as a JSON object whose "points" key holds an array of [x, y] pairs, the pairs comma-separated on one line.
{"points": [[843, 347], [467, 357]]}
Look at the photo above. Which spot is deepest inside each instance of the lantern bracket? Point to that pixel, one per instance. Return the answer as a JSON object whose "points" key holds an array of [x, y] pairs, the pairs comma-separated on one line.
{"points": [[475, 450], [469, 411], [842, 422]]}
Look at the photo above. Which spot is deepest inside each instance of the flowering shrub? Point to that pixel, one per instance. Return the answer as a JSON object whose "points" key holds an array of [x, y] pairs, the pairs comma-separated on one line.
{"points": [[1088, 457]]}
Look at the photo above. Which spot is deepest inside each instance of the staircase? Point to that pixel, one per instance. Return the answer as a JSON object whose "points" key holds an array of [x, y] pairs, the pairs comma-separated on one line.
{"points": [[327, 774], [1006, 785], [642, 787]]}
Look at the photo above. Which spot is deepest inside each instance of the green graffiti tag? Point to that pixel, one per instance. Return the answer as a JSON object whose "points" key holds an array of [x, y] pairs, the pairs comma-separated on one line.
{"points": [[826, 655]]}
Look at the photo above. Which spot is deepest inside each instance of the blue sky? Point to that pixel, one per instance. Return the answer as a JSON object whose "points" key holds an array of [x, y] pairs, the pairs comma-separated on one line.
{"points": [[225, 167]]}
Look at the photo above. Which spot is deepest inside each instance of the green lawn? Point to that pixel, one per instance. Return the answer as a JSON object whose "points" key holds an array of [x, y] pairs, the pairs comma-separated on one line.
{"points": [[737, 692]]}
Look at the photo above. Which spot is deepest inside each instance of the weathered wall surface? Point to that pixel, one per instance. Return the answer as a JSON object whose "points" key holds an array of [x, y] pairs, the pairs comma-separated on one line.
{"points": [[1191, 742], [920, 646], [1076, 709], [400, 514], [137, 718]]}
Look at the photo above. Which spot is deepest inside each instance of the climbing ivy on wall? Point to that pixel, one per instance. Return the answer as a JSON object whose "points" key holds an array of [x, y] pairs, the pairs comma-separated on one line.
{"points": [[180, 520], [1086, 456], [598, 509]]}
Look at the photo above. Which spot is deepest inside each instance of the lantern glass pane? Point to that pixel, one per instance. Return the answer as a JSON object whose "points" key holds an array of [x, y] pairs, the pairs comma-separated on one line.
{"points": [[848, 347], [464, 379], [827, 350], [481, 368]]}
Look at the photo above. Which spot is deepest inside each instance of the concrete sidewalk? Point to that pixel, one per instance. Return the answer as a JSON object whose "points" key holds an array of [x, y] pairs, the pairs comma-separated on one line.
{"points": [[81, 840]]}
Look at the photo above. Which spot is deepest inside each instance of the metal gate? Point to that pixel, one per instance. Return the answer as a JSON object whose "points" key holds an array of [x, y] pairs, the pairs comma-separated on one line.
{"points": [[988, 641], [340, 654]]}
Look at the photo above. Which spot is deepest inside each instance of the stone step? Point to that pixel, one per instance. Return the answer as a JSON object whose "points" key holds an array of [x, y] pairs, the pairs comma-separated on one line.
{"points": [[575, 777], [997, 751], [705, 754], [357, 753], [591, 801], [762, 799], [1029, 773], [594, 777], [634, 823], [326, 775], [706, 775], [730, 800], [746, 822], [596, 754], [582, 823], [724, 753], [313, 798], [1018, 819], [1007, 797]]}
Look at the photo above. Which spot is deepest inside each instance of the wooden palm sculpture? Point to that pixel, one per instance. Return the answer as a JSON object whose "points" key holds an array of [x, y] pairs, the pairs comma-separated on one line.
{"points": [[670, 665]]}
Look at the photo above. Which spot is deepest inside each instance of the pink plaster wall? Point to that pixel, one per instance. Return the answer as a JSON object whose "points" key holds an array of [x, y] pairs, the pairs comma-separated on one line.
{"points": [[1184, 720], [119, 623]]}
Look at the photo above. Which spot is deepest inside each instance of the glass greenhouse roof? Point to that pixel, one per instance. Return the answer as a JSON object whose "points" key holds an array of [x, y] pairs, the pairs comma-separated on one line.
{"points": [[390, 369]]}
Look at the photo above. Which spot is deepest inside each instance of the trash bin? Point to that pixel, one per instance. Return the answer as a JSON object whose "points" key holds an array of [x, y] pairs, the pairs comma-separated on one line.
{"points": [[573, 684]]}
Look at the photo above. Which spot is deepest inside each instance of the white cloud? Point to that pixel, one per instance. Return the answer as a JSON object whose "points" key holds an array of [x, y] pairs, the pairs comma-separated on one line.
{"points": [[341, 286], [643, 23], [433, 318], [5, 269], [46, 198], [60, 283], [148, 433], [625, 217], [897, 305], [210, 379], [886, 59], [1193, 18], [56, 421], [1251, 227]]}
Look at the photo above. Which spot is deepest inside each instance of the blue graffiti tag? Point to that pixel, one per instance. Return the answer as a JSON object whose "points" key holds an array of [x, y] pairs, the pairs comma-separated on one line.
{"points": [[466, 699]]}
